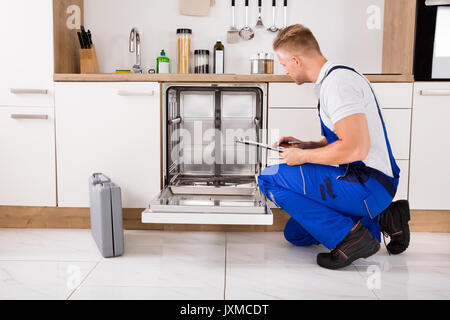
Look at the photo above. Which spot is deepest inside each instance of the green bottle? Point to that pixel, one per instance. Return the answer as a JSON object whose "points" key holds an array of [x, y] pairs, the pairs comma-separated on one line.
{"points": [[162, 63]]}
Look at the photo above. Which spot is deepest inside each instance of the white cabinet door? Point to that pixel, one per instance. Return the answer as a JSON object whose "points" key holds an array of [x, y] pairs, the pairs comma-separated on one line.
{"points": [[429, 186], [398, 127], [27, 157], [26, 57], [113, 128], [402, 189]]}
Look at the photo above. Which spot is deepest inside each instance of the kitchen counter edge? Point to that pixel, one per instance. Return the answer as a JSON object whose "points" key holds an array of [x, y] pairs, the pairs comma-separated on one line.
{"points": [[127, 77]]}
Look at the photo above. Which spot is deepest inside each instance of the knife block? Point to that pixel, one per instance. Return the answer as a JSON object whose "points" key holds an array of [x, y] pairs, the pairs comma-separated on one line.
{"points": [[88, 61]]}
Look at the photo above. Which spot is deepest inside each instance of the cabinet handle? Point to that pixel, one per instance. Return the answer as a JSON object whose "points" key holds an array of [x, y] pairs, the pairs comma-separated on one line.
{"points": [[125, 93], [435, 92], [28, 91], [30, 116]]}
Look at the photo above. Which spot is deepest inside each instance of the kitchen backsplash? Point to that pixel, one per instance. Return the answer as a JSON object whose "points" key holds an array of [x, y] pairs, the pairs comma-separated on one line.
{"points": [[349, 31]]}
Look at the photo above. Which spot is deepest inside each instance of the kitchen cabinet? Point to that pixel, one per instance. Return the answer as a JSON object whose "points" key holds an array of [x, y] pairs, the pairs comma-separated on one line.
{"points": [[430, 148], [113, 128], [293, 112], [26, 30], [27, 157]]}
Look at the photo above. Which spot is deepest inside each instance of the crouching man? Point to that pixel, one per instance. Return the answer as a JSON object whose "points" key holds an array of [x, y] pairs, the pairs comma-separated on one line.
{"points": [[338, 191]]}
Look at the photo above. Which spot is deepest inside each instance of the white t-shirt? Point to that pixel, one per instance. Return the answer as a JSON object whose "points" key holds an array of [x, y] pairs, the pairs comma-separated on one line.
{"points": [[344, 93]]}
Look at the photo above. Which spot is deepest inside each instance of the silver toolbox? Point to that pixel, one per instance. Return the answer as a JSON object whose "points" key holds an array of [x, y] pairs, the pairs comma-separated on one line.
{"points": [[207, 177], [106, 215]]}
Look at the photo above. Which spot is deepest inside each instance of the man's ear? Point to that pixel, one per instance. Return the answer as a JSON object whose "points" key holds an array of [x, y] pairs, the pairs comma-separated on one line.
{"points": [[297, 60]]}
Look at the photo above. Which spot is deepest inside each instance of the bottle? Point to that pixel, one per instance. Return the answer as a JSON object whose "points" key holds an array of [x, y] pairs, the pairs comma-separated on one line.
{"points": [[219, 57], [162, 63]]}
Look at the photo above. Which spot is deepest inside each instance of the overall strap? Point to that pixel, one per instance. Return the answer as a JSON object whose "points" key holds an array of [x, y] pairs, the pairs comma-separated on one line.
{"points": [[395, 169]]}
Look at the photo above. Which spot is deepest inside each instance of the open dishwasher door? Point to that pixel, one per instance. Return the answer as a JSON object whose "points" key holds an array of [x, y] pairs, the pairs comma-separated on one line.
{"points": [[207, 177]]}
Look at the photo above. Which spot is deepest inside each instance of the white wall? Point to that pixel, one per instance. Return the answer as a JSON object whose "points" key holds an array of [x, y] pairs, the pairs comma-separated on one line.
{"points": [[339, 25]]}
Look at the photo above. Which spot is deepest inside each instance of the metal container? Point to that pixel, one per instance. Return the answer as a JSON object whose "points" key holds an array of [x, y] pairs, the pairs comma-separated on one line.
{"points": [[262, 63], [201, 58]]}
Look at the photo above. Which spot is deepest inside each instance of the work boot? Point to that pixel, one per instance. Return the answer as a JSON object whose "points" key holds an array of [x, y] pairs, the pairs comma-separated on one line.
{"points": [[394, 224], [359, 243]]}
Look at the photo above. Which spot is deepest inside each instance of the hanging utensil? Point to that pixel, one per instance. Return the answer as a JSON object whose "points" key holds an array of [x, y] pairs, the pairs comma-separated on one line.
{"points": [[284, 14], [259, 23], [273, 28], [246, 32], [233, 33]]}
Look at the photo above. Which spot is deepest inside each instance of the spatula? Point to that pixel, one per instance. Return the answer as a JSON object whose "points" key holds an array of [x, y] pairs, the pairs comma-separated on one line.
{"points": [[233, 33]]}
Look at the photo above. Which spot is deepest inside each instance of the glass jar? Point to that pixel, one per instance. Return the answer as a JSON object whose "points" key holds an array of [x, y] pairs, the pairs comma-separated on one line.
{"points": [[201, 58], [184, 49]]}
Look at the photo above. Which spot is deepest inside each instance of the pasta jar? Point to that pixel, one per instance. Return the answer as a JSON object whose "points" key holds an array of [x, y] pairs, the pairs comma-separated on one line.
{"points": [[184, 49]]}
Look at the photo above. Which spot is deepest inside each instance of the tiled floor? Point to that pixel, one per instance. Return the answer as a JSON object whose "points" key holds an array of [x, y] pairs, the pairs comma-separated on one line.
{"points": [[65, 264]]}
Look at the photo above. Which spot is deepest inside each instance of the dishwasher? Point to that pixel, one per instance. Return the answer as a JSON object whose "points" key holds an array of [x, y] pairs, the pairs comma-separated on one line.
{"points": [[207, 177]]}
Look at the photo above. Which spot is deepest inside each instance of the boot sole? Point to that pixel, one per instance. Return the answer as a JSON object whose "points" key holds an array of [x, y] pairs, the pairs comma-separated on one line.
{"points": [[405, 217], [362, 253]]}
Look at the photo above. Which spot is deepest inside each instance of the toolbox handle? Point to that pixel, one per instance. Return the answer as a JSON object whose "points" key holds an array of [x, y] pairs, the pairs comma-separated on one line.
{"points": [[98, 180]]}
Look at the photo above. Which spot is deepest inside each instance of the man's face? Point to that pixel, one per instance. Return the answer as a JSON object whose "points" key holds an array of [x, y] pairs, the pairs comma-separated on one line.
{"points": [[293, 66]]}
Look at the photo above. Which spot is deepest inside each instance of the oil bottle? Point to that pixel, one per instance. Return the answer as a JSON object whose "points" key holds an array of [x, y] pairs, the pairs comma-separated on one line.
{"points": [[219, 58]]}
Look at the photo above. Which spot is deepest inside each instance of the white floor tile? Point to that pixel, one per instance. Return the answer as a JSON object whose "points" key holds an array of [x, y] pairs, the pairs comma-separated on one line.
{"points": [[425, 249], [169, 260], [147, 293], [41, 279], [268, 248], [408, 282], [47, 263], [48, 244], [269, 282]]}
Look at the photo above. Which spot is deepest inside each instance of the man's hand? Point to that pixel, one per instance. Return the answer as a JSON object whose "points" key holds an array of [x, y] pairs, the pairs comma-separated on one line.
{"points": [[294, 156], [284, 142]]}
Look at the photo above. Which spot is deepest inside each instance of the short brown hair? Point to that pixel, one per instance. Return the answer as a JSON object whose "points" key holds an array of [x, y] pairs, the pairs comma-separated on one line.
{"points": [[297, 38]]}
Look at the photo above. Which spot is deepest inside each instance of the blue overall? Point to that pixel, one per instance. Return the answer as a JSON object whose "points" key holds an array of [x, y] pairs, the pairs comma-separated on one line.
{"points": [[325, 202]]}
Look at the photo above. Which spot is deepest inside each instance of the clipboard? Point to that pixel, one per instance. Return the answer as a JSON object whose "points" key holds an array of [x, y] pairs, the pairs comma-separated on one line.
{"points": [[258, 144]]}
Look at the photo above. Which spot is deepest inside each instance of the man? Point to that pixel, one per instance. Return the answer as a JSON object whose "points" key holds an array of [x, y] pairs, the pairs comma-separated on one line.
{"points": [[338, 191]]}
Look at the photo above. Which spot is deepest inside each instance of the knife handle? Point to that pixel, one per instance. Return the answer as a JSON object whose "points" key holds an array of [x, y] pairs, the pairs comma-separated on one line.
{"points": [[90, 38], [80, 40]]}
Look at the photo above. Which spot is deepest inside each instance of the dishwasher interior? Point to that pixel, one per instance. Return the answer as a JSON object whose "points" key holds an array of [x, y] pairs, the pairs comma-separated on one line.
{"points": [[207, 177]]}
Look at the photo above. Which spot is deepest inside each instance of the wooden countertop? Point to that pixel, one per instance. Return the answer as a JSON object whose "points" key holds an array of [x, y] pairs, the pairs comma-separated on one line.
{"points": [[125, 77]]}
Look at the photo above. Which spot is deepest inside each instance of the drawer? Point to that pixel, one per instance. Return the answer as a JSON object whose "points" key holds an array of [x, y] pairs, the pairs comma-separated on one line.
{"points": [[291, 95], [429, 94], [27, 157], [394, 95], [26, 95]]}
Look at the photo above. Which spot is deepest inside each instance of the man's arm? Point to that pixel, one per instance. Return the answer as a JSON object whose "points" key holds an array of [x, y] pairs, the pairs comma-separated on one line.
{"points": [[353, 145], [301, 144]]}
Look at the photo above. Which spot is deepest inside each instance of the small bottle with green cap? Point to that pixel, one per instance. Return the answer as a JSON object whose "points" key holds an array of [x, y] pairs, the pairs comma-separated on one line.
{"points": [[163, 63]]}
